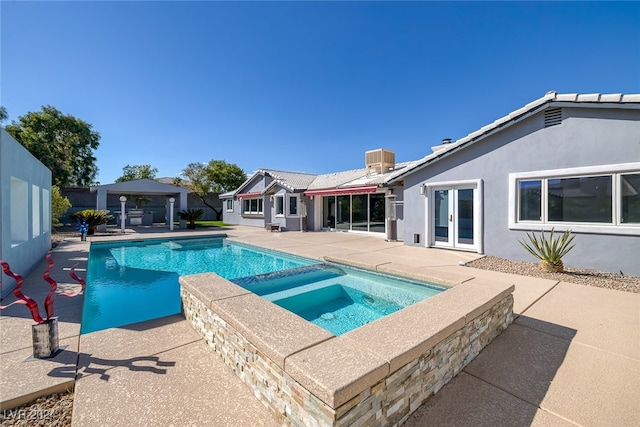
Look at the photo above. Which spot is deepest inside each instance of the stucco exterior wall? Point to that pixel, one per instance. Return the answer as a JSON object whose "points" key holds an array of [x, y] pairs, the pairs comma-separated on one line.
{"points": [[586, 137], [33, 179]]}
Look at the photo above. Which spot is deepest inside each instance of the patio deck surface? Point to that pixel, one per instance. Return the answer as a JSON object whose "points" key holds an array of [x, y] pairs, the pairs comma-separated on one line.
{"points": [[571, 357]]}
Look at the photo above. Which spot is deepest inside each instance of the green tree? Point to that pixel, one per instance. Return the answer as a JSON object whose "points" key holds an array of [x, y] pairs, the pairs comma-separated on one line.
{"points": [[217, 176], [63, 143], [59, 205], [3, 114], [131, 173]]}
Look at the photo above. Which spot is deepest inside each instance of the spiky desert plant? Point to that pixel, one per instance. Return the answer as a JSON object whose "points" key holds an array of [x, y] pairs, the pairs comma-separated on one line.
{"points": [[549, 250], [191, 215], [93, 217]]}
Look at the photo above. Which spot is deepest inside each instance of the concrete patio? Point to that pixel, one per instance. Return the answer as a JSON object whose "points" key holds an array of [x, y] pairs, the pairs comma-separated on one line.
{"points": [[571, 357]]}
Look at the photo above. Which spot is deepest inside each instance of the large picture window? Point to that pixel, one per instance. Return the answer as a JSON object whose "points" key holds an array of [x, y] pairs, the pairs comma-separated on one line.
{"points": [[582, 199], [252, 206], [591, 199]]}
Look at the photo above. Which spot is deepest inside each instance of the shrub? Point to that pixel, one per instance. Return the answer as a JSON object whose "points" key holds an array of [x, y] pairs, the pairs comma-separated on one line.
{"points": [[59, 205], [191, 215], [93, 217], [549, 250]]}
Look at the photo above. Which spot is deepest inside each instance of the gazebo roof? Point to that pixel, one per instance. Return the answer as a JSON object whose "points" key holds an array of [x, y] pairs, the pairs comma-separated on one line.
{"points": [[141, 186]]}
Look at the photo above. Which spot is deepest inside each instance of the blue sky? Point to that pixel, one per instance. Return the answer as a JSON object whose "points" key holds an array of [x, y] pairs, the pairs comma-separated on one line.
{"points": [[302, 86]]}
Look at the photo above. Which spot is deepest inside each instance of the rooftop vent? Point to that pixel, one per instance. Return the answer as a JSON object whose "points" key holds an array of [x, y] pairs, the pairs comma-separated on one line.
{"points": [[552, 117], [380, 160], [446, 141]]}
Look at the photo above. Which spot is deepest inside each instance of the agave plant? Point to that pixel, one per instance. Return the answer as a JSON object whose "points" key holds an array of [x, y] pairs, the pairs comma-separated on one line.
{"points": [[93, 218], [191, 215], [549, 250]]}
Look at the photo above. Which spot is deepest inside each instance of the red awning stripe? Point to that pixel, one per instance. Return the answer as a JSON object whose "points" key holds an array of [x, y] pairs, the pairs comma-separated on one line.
{"points": [[249, 195], [341, 191]]}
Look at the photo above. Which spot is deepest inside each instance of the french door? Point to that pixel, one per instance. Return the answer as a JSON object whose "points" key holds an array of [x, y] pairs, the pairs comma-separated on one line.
{"points": [[454, 213]]}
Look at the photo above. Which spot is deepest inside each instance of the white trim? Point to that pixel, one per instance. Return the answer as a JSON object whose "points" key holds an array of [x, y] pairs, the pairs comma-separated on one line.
{"points": [[226, 204], [275, 206], [614, 228], [478, 212]]}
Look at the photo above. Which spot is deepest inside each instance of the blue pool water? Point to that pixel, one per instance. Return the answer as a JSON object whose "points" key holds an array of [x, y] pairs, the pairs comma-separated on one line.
{"points": [[338, 299], [130, 282]]}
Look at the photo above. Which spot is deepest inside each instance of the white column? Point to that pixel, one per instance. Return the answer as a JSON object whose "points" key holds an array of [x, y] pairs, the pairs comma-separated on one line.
{"points": [[171, 202], [123, 216]]}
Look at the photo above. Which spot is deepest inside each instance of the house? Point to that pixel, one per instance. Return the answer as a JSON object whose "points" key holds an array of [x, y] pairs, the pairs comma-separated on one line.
{"points": [[355, 200], [25, 210], [564, 161], [567, 161]]}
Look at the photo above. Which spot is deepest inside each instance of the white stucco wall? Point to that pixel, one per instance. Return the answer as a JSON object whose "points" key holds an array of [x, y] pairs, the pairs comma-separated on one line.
{"points": [[25, 209]]}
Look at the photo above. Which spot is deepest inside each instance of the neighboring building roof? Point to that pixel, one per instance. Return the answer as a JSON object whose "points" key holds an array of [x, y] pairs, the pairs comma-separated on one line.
{"points": [[140, 186], [550, 99]]}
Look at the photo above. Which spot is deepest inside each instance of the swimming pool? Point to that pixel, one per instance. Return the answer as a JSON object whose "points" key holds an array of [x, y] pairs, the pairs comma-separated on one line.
{"points": [[130, 282]]}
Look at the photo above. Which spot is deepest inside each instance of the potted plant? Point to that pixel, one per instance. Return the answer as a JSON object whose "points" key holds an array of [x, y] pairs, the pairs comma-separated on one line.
{"points": [[549, 250], [191, 215], [93, 218]]}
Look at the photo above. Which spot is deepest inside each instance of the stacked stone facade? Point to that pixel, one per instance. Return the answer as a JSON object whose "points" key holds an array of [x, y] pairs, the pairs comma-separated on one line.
{"points": [[389, 402]]}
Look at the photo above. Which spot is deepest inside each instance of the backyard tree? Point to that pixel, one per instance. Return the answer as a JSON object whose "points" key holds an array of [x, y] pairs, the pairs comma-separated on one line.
{"points": [[63, 143], [3, 114], [132, 173], [217, 176]]}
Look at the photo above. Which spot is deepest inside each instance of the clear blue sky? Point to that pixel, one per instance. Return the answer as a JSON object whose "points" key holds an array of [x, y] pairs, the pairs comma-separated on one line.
{"points": [[302, 86]]}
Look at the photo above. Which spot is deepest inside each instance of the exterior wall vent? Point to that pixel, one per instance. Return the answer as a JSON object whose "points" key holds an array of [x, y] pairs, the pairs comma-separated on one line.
{"points": [[552, 117], [380, 160]]}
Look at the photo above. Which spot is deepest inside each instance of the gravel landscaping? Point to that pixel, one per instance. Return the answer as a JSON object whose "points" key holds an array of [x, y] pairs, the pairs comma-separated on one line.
{"points": [[51, 411], [618, 282]]}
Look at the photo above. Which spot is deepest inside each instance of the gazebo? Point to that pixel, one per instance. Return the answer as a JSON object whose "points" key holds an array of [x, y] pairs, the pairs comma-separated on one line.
{"points": [[143, 187]]}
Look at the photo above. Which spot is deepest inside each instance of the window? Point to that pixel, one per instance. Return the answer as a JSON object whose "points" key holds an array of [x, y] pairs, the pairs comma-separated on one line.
{"points": [[252, 206], [19, 208], [229, 203], [598, 199], [46, 210], [582, 199], [630, 194], [530, 194], [293, 205], [279, 204], [35, 210]]}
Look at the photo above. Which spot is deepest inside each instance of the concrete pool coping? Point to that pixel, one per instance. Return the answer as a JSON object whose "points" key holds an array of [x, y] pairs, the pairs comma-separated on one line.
{"points": [[593, 332], [333, 369]]}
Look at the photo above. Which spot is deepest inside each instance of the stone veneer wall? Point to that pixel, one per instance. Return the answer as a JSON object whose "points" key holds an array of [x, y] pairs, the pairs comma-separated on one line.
{"points": [[388, 402]]}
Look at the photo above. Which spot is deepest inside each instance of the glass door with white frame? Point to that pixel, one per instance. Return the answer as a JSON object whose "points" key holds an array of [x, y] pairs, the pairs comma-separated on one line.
{"points": [[454, 217]]}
